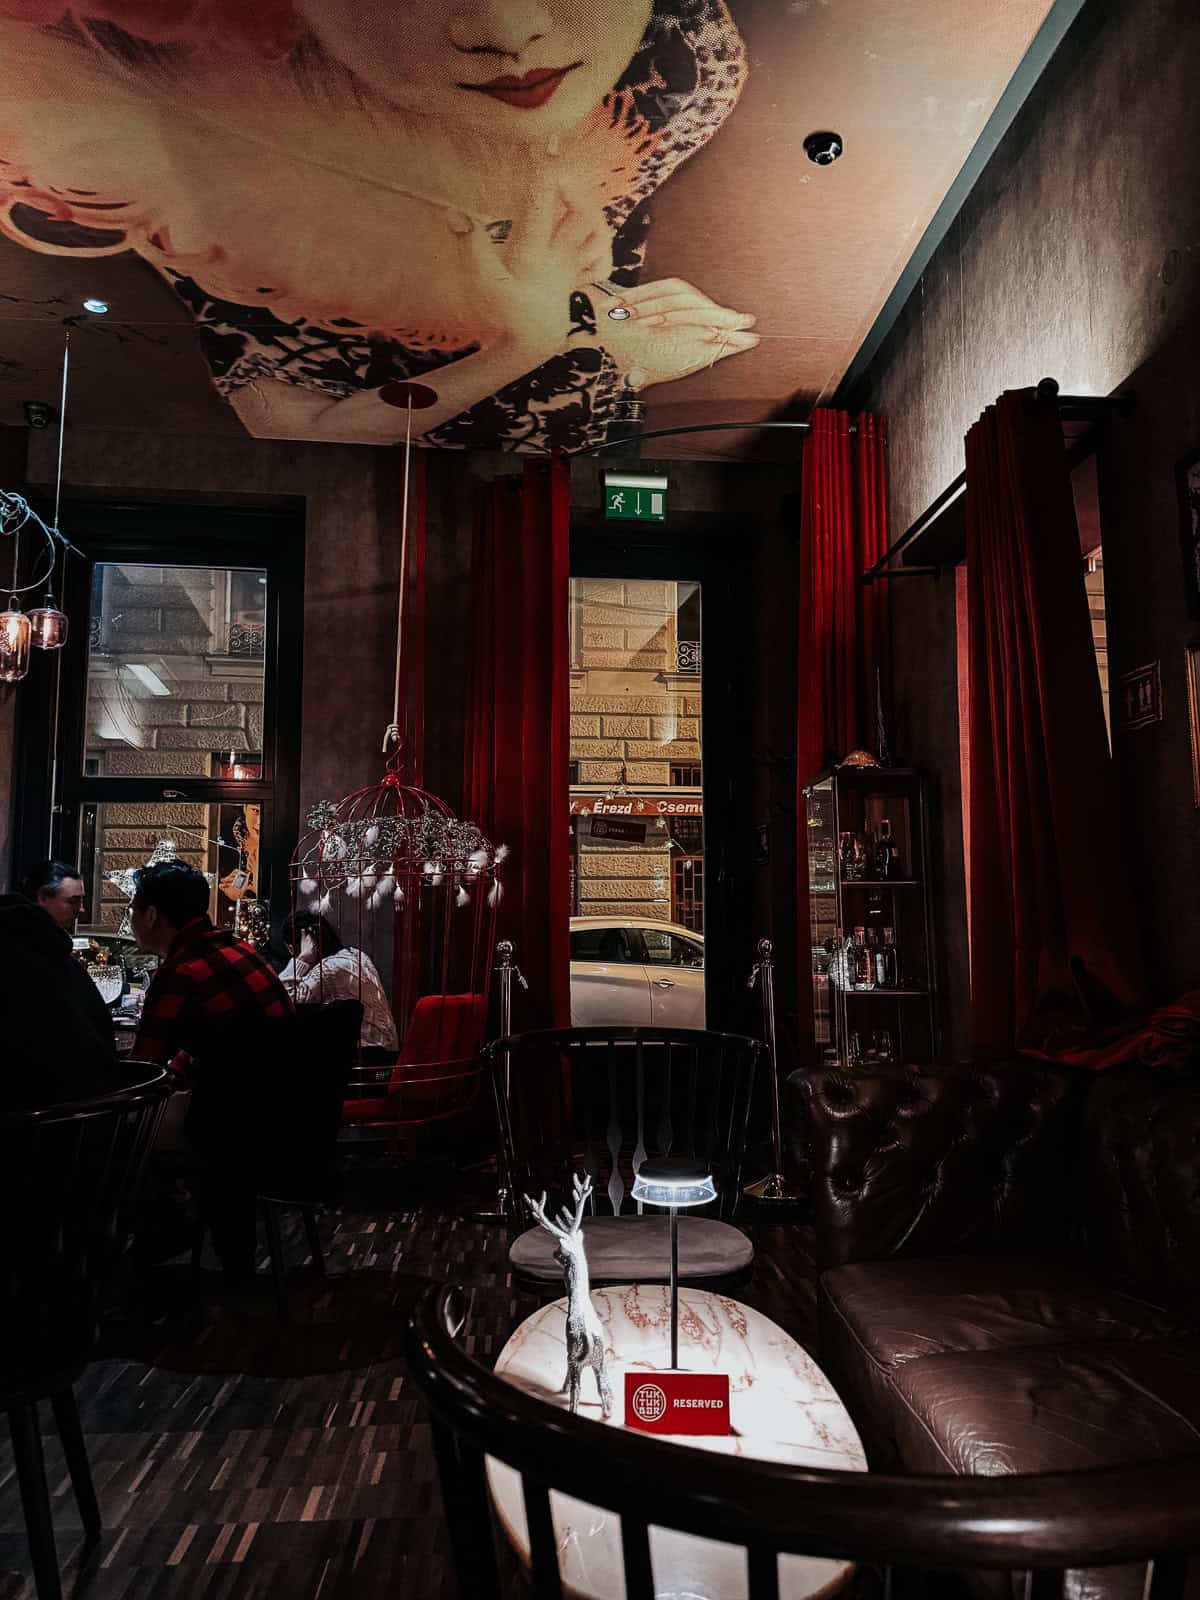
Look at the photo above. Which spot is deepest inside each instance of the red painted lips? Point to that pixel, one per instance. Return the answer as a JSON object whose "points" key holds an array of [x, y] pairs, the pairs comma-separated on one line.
{"points": [[527, 92]]}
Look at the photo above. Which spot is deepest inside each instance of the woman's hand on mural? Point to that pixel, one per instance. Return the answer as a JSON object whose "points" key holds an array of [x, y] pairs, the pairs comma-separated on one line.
{"points": [[524, 288], [673, 329]]}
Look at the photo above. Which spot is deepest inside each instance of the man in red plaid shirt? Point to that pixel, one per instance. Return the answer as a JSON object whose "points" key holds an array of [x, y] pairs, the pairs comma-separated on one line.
{"points": [[207, 977]]}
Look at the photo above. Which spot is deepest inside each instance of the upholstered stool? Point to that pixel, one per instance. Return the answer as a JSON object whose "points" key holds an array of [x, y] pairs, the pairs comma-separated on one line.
{"points": [[638, 1250]]}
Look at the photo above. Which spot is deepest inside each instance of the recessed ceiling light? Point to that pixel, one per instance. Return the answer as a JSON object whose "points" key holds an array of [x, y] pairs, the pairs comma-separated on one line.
{"points": [[620, 313], [96, 307]]}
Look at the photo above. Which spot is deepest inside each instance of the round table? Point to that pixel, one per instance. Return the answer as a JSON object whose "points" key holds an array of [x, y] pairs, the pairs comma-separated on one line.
{"points": [[782, 1408]]}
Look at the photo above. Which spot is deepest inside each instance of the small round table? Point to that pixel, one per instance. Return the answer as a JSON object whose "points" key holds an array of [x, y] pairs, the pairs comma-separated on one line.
{"points": [[782, 1408]]}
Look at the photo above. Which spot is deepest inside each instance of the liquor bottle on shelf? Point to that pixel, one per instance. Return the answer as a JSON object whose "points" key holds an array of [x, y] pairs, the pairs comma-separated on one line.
{"points": [[887, 857], [863, 971], [887, 962], [842, 970], [853, 855]]}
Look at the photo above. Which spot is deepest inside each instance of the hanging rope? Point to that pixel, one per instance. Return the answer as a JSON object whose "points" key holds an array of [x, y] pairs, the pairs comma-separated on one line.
{"points": [[62, 428], [393, 738]]}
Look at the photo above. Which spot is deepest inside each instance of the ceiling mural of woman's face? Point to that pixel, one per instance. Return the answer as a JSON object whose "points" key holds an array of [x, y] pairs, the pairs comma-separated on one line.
{"points": [[371, 191], [524, 68]]}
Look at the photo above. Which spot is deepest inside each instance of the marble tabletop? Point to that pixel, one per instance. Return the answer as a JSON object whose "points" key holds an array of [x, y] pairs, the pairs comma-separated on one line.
{"points": [[782, 1408]]}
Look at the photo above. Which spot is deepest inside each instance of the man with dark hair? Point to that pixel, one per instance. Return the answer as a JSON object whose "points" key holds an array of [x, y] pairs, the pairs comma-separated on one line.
{"points": [[58, 889], [208, 978]]}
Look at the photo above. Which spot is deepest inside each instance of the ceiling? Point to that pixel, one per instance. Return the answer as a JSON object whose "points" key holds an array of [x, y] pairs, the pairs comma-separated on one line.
{"points": [[287, 207]]}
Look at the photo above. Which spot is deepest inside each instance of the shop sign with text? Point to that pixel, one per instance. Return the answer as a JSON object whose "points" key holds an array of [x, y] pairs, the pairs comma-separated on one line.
{"points": [[634, 806], [626, 830]]}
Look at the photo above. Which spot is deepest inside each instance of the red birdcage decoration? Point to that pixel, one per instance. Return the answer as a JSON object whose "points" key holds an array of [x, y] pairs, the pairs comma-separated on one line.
{"points": [[412, 892]]}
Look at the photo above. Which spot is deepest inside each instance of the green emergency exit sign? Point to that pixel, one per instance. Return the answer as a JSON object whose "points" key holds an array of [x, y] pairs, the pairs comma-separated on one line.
{"points": [[634, 497]]}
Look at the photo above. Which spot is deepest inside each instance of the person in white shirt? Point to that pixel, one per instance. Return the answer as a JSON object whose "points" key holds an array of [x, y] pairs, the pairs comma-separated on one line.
{"points": [[324, 967]]}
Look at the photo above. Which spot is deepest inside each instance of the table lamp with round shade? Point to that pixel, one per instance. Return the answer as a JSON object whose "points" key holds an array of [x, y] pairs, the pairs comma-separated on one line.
{"points": [[674, 1181]]}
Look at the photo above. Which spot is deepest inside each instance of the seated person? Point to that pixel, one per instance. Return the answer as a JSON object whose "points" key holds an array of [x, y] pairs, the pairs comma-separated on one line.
{"points": [[324, 967], [59, 1035], [207, 978], [211, 993], [58, 889]]}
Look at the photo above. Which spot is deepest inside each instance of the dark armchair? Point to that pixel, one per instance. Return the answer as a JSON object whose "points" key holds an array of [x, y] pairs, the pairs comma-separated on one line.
{"points": [[1010, 1268]]}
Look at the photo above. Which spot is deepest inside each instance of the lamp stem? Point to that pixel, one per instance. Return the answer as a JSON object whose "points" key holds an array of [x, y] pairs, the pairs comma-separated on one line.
{"points": [[394, 736], [674, 1286], [403, 564]]}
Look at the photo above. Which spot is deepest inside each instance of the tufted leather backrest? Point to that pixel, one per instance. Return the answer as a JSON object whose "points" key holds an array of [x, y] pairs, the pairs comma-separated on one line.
{"points": [[929, 1163], [1143, 1178]]}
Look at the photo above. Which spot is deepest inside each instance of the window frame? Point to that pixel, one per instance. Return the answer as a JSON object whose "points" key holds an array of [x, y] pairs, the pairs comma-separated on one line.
{"points": [[691, 943], [51, 740], [631, 958], [699, 546]]}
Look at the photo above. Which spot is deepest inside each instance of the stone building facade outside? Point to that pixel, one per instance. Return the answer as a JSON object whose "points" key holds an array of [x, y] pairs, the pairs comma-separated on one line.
{"points": [[192, 631], [635, 721]]}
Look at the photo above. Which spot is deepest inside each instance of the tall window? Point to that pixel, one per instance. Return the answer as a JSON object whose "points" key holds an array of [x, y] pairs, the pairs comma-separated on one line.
{"points": [[176, 684], [178, 731]]}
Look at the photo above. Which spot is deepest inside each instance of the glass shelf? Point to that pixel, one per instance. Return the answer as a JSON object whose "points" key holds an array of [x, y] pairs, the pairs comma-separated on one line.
{"points": [[906, 989], [865, 805], [884, 994], [881, 883]]}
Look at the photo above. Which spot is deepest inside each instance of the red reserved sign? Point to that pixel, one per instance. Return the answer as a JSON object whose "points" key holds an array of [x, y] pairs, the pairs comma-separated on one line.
{"points": [[677, 1402]]}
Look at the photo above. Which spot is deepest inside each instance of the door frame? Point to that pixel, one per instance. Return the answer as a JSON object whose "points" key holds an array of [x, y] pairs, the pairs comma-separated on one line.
{"points": [[701, 548]]}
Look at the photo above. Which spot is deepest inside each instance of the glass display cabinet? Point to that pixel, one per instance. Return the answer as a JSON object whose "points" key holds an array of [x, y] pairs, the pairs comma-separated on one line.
{"points": [[873, 966]]}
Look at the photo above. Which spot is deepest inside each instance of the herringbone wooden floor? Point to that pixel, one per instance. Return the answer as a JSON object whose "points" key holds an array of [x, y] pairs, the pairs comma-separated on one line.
{"points": [[235, 1457]]}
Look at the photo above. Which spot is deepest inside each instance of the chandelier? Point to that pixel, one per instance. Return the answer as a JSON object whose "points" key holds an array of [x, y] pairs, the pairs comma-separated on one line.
{"points": [[45, 627]]}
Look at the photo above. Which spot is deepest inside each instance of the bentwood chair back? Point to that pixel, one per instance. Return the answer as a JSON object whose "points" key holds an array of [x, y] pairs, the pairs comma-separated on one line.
{"points": [[602, 1101], [1037, 1530], [264, 1122], [69, 1176]]}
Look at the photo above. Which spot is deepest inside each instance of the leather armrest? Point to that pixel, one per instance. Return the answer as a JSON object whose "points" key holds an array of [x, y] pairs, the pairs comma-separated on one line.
{"points": [[933, 1163]]}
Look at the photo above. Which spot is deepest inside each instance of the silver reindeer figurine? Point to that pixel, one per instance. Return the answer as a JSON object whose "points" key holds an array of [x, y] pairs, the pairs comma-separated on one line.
{"points": [[585, 1336]]}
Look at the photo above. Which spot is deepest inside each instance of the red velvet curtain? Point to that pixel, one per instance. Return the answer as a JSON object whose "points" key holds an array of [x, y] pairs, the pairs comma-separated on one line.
{"points": [[518, 723], [1052, 927], [842, 624]]}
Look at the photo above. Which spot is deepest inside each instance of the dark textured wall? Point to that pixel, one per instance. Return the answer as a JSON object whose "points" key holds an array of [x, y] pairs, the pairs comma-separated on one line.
{"points": [[1077, 256]]}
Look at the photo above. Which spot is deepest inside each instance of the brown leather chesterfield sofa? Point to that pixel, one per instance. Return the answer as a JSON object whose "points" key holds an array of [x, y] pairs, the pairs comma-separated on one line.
{"points": [[1009, 1266]]}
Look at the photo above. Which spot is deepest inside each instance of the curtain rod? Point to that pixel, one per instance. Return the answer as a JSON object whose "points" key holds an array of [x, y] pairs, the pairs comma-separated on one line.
{"points": [[1077, 407], [698, 427]]}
